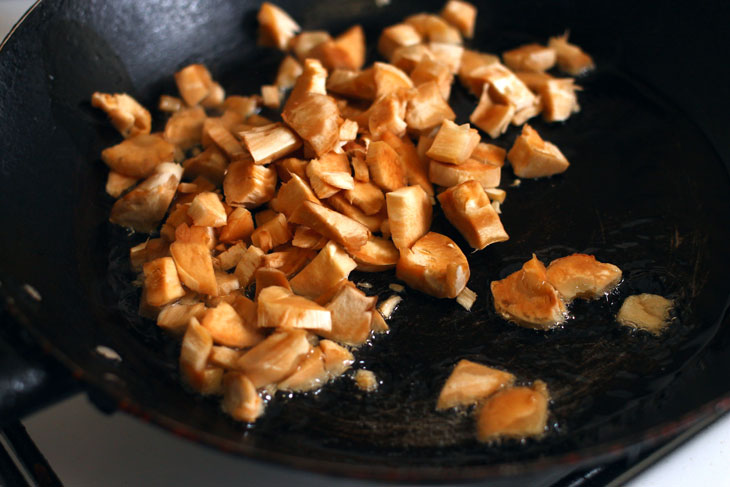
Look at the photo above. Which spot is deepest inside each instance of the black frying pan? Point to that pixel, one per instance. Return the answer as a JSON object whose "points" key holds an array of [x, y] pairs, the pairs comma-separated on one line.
{"points": [[647, 190]]}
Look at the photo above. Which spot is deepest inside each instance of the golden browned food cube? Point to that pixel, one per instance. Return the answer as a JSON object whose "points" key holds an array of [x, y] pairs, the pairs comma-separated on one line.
{"points": [[360, 167], [433, 28], [227, 328], [353, 84], [248, 184], [371, 222], [275, 358], [276, 27], [239, 226], [310, 374], [152, 249], [504, 86], [117, 183], [427, 108], [196, 346], [278, 307], [453, 143], [410, 213], [351, 316], [467, 207], [271, 234], [230, 257], [331, 265], [346, 51], [365, 380], [337, 359], [169, 104], [312, 80], [175, 317], [461, 15], [648, 312], [389, 79], [331, 224], [270, 276], [198, 235], [194, 83], [533, 157], [428, 70], [582, 276], [517, 412], [385, 166], [524, 114], [493, 118], [289, 71], [348, 130], [303, 44], [143, 208], [206, 210], [571, 58], [224, 139], [316, 119], [138, 156], [292, 194], [306, 238], [161, 282], [434, 265], [329, 174], [528, 299], [289, 166], [240, 398], [471, 61], [559, 99], [210, 164], [290, 260], [489, 154], [185, 127], [406, 58], [250, 261], [270, 96], [377, 255], [195, 267], [395, 36], [125, 113], [269, 142], [224, 357], [387, 114], [530, 57], [366, 196], [471, 382], [534, 80], [447, 54]]}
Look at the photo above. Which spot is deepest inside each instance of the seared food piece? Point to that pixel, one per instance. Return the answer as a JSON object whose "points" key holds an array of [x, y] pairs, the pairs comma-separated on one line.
{"points": [[331, 265], [527, 298], [185, 127], [461, 15], [530, 57], [410, 213], [176, 316], [571, 58], [386, 168], [275, 358], [195, 266], [117, 183], [471, 382], [351, 316], [240, 398], [279, 307], [366, 380], [125, 113], [310, 374], [582, 276], [138, 156], [196, 86], [196, 346], [492, 117], [228, 328], [647, 312], [559, 101], [337, 359], [276, 28], [206, 210], [434, 265], [161, 282], [453, 143], [331, 224], [316, 119], [269, 142], [248, 184], [447, 175], [378, 254], [239, 226], [517, 412], [395, 36], [533, 157]]}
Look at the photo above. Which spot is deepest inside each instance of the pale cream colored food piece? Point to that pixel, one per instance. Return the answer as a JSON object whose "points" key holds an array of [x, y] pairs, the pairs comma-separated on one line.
{"points": [[371, 222], [530, 57], [533, 157], [416, 169], [278, 307], [276, 27], [292, 194], [366, 196], [559, 99], [125, 113], [240, 399], [366, 380], [151, 249], [453, 143], [316, 119], [227, 284], [427, 108], [185, 127], [447, 175], [471, 61], [169, 104], [175, 317], [378, 254], [143, 208], [466, 298], [350, 309], [517, 412], [196, 347], [248, 184], [117, 183], [431, 70], [224, 357], [434, 265], [405, 58], [389, 79], [582, 276], [528, 299], [238, 227], [275, 358], [571, 58], [337, 359], [434, 28], [228, 328], [271, 234], [387, 307], [448, 54], [493, 118], [470, 383], [353, 84], [269, 142], [310, 374], [523, 115], [504, 86], [395, 36], [161, 282], [247, 265], [648, 312], [289, 71], [206, 210], [269, 276], [139, 155], [270, 96], [410, 214], [195, 267], [329, 267], [303, 43], [331, 224], [461, 15], [467, 207], [387, 114]]}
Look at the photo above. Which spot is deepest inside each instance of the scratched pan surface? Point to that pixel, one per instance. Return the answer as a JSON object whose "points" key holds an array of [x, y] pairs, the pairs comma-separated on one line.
{"points": [[645, 191]]}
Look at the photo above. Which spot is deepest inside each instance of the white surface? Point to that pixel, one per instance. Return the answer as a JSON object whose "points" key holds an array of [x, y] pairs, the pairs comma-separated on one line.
{"points": [[87, 448]]}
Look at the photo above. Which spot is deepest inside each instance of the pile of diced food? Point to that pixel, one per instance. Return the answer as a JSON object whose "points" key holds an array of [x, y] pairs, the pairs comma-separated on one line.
{"points": [[256, 223]]}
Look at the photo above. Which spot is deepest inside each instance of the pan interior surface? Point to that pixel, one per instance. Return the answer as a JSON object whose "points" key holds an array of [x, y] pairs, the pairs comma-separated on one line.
{"points": [[645, 191]]}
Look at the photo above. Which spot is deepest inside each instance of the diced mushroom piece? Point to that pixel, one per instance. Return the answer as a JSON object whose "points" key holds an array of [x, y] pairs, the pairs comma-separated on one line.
{"points": [[317, 120], [365, 380], [275, 358], [530, 57], [311, 374], [366, 196], [169, 104], [432, 70], [406, 58], [227, 328], [504, 86], [210, 164], [496, 194], [306, 238], [138, 156], [276, 27], [648, 312], [185, 127], [453, 143], [389, 79], [243, 106], [194, 83], [348, 130], [524, 114], [271, 234], [337, 359], [270, 96], [224, 139], [161, 282], [535, 81], [377, 255], [286, 168], [387, 114], [461, 15], [117, 183], [517, 412], [351, 316], [559, 99], [582, 276], [292, 194], [206, 210], [434, 265], [385, 166], [143, 208], [196, 346], [353, 84], [466, 298], [290, 260], [331, 224], [125, 113], [571, 58], [329, 174], [250, 261], [239, 226], [388, 306], [471, 61], [470, 382], [198, 235], [195, 266], [410, 213], [330, 266], [152, 249], [224, 357], [248, 184], [346, 51], [528, 299], [447, 54], [289, 71], [433, 28], [240, 399], [269, 142], [175, 317], [371, 222], [269, 276], [533, 157], [200, 185], [312, 80], [395, 36], [360, 167], [230, 257], [489, 154], [304, 43], [227, 284], [467, 207], [493, 118], [378, 324], [278, 307], [427, 108]]}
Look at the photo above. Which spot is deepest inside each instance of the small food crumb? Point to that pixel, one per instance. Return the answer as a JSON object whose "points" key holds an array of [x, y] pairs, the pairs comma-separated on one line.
{"points": [[33, 292], [396, 287], [366, 380], [497, 207], [466, 298], [516, 183], [387, 307], [108, 353], [647, 312], [364, 285]]}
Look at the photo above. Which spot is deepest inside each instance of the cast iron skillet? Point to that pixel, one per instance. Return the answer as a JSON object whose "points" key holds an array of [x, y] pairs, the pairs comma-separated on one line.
{"points": [[647, 190]]}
